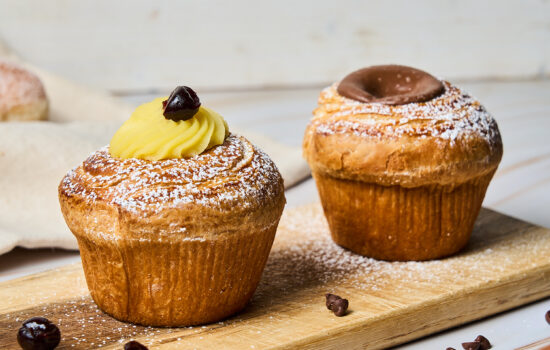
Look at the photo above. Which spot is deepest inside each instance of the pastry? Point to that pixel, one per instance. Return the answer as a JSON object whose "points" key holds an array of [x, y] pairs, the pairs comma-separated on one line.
{"points": [[176, 218], [402, 161], [22, 96]]}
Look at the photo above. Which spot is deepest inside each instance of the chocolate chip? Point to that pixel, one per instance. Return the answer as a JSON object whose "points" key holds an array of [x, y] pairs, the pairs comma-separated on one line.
{"points": [[338, 305], [330, 299], [449, 348], [474, 345], [547, 316], [38, 333], [484, 343], [134, 345], [182, 104]]}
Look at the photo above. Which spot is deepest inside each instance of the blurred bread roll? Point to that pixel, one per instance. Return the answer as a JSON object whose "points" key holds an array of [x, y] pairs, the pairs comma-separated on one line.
{"points": [[22, 95]]}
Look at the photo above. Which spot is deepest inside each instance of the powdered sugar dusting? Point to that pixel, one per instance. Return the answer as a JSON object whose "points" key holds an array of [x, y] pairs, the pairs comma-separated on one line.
{"points": [[84, 326], [303, 265], [304, 256], [218, 178], [451, 116]]}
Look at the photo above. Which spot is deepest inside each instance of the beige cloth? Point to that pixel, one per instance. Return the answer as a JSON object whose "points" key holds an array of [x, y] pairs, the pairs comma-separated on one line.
{"points": [[34, 156]]}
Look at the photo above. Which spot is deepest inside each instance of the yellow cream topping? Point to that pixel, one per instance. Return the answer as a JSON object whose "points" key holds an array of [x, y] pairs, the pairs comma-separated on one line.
{"points": [[149, 135]]}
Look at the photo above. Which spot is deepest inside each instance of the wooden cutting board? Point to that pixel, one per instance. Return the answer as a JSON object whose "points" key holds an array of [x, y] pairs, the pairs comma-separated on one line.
{"points": [[506, 264]]}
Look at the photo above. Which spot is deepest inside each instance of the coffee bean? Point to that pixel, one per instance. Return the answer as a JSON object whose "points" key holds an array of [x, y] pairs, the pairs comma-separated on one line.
{"points": [[38, 333]]}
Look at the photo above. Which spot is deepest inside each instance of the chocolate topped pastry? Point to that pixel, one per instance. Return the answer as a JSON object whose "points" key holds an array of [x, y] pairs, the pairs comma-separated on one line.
{"points": [[391, 85], [402, 161]]}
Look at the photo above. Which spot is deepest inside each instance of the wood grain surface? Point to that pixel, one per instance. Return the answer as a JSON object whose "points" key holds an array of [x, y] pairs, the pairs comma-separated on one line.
{"points": [[543, 344], [506, 264]]}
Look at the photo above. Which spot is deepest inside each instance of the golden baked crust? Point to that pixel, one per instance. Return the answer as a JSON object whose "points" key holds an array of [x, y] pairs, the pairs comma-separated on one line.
{"points": [[22, 96], [174, 242], [398, 223], [448, 140], [190, 194]]}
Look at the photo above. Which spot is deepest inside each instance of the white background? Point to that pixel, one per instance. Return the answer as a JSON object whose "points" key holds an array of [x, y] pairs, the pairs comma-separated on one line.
{"points": [[135, 46]]}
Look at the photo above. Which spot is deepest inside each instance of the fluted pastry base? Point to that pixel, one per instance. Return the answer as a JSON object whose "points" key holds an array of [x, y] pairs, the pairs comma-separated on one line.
{"points": [[398, 224], [176, 242], [175, 283]]}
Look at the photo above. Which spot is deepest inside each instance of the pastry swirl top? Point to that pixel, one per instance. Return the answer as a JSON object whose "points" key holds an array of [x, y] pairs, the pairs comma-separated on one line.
{"points": [[230, 177], [448, 139]]}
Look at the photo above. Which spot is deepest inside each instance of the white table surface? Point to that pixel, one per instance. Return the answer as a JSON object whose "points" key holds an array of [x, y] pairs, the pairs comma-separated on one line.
{"points": [[521, 187]]}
